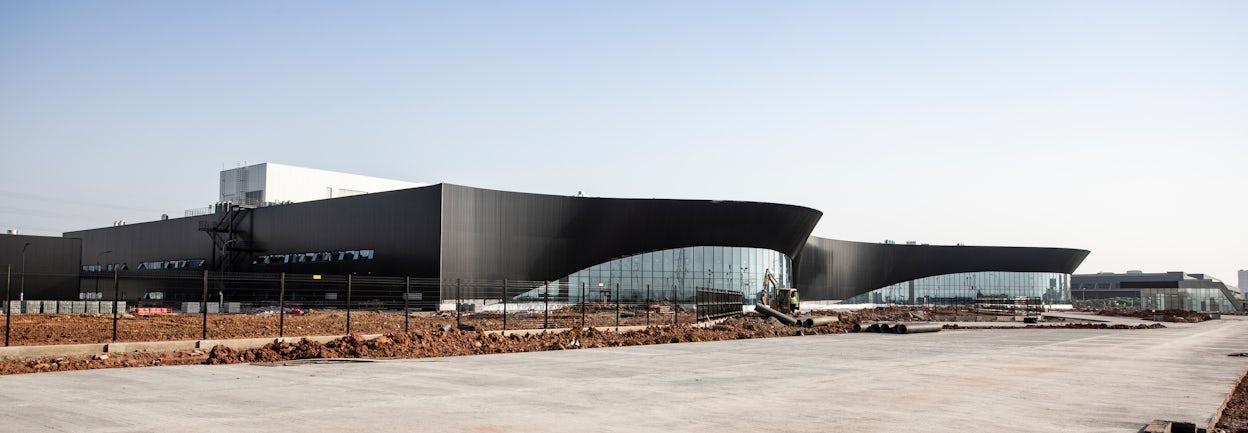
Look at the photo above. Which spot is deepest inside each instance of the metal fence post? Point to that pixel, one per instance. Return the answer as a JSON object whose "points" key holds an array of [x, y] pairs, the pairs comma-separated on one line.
{"points": [[8, 302], [348, 304], [459, 293], [617, 308], [582, 305], [407, 295], [116, 289], [546, 308], [647, 305], [504, 305], [674, 305], [281, 307], [203, 308]]}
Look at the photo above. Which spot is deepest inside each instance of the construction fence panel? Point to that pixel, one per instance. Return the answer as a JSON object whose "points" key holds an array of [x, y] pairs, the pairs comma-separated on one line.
{"points": [[191, 304]]}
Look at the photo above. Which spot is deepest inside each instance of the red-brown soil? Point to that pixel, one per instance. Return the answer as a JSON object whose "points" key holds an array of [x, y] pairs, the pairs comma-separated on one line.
{"points": [[1235, 416], [44, 329], [1176, 316]]}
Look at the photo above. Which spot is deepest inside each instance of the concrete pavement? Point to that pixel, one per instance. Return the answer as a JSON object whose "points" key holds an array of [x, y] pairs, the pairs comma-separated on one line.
{"points": [[1018, 380]]}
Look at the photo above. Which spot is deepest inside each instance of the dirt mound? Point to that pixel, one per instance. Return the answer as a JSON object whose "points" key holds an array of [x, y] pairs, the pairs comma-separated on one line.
{"points": [[135, 359], [438, 343], [1176, 316], [1235, 416]]}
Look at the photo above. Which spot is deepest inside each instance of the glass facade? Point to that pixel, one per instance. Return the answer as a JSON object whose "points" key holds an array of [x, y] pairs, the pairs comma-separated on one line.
{"points": [[963, 288], [1154, 291], [1194, 299], [681, 271]]}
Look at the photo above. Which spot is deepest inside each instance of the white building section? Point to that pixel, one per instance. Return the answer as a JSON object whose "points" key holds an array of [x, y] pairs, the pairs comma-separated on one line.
{"points": [[268, 183]]}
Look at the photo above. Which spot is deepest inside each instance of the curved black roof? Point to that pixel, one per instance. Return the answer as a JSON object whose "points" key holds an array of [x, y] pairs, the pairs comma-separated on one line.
{"points": [[835, 269], [496, 234]]}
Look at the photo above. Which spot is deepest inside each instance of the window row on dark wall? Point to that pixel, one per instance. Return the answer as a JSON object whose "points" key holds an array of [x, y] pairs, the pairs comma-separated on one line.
{"points": [[324, 256], [174, 264]]}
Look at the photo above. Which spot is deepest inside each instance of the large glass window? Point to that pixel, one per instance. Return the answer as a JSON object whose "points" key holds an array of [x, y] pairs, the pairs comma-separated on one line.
{"points": [[686, 270], [963, 288]]}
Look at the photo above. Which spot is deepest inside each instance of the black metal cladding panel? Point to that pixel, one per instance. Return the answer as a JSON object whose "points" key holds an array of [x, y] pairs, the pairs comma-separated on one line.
{"points": [[401, 227], [496, 234], [834, 269], [131, 244], [51, 266]]}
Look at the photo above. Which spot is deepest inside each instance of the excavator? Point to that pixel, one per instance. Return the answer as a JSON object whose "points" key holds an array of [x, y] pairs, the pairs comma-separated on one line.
{"points": [[780, 299]]}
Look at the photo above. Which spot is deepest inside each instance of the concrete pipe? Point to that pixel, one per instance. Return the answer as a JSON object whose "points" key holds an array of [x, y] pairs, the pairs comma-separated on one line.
{"points": [[811, 322], [886, 327], [767, 311], [915, 328]]}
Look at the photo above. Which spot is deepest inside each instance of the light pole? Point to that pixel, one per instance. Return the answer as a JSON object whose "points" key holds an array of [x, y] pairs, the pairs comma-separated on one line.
{"points": [[21, 295]]}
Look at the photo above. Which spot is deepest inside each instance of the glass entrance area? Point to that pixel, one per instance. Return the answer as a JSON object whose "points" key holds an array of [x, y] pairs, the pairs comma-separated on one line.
{"points": [[963, 288], [679, 272]]}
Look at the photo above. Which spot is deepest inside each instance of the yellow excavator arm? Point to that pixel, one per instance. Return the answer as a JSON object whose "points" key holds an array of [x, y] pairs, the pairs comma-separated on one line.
{"points": [[769, 296]]}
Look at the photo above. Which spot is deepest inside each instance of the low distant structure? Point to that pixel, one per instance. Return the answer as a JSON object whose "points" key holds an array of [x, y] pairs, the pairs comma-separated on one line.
{"points": [[1155, 291]]}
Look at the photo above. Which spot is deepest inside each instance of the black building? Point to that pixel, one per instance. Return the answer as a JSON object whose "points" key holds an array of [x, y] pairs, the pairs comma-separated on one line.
{"points": [[455, 233], [39, 267]]}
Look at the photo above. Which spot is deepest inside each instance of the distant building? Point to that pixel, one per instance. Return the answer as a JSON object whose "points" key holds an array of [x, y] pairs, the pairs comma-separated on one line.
{"points": [[1243, 280], [1155, 291], [268, 183]]}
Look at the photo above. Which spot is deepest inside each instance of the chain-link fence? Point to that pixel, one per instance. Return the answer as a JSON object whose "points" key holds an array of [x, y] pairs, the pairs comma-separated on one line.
{"points": [[159, 305]]}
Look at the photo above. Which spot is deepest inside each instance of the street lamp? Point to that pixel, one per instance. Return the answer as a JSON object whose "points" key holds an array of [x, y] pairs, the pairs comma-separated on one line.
{"points": [[22, 294]]}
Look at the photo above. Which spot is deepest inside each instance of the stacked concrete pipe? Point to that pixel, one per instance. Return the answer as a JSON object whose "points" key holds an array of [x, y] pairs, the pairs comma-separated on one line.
{"points": [[867, 327], [899, 328], [917, 327], [810, 322]]}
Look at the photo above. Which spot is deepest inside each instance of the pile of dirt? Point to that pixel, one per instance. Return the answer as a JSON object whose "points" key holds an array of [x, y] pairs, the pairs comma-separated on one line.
{"points": [[439, 343], [1235, 416], [890, 314], [49, 329], [134, 359], [1176, 316]]}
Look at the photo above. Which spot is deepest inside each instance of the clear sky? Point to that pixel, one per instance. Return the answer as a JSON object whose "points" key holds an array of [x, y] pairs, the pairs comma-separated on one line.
{"points": [[1120, 127]]}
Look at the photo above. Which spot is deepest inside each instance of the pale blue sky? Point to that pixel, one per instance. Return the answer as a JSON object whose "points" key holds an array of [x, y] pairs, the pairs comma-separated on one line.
{"points": [[1116, 126]]}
